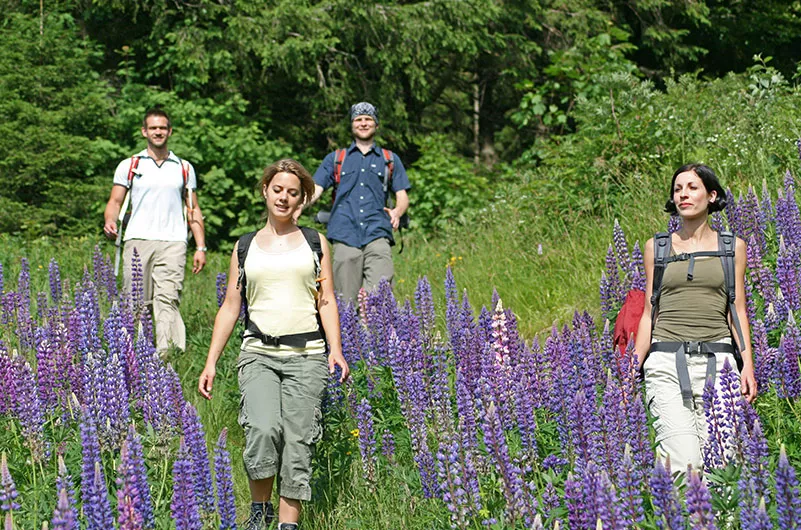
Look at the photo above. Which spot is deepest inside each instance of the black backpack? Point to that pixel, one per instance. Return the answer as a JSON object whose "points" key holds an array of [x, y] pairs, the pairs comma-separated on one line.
{"points": [[312, 237], [662, 257]]}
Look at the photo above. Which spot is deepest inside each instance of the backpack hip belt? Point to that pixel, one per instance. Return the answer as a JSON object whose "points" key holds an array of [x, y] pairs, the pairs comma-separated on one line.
{"points": [[683, 349], [295, 340]]}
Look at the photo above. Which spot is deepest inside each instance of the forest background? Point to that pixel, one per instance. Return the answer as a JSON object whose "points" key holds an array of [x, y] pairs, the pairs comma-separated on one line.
{"points": [[530, 122]]}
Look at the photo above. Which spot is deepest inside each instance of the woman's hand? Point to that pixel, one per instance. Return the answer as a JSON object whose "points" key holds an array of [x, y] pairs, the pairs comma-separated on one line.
{"points": [[748, 385], [336, 359], [206, 381]]}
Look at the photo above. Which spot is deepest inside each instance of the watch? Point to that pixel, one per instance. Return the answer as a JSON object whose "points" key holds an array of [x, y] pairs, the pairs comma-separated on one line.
{"points": [[202, 249]]}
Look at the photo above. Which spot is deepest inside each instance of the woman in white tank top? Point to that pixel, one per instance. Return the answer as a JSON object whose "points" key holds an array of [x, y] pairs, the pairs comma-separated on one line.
{"points": [[282, 366]]}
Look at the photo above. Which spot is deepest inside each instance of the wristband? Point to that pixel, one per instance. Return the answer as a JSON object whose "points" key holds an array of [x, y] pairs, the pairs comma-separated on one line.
{"points": [[202, 249]]}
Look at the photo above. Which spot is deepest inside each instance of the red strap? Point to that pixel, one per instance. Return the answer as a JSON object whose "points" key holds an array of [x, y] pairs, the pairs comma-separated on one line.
{"points": [[185, 171], [338, 160], [134, 164], [390, 160]]}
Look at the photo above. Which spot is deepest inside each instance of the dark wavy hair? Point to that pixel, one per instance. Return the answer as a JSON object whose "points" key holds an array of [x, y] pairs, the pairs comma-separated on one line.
{"points": [[710, 181]]}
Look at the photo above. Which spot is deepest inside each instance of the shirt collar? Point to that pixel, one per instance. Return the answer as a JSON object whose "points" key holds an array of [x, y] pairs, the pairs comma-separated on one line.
{"points": [[171, 157], [374, 148]]}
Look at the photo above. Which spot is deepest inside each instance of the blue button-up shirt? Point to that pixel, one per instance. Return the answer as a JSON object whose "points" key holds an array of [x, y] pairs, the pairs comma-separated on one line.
{"points": [[358, 215]]}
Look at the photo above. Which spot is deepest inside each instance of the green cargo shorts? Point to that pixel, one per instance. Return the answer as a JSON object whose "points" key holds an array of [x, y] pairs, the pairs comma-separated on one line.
{"points": [[280, 412]]}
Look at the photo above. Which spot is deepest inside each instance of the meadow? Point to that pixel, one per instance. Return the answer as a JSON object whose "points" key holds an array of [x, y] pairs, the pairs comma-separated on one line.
{"points": [[485, 391], [453, 418]]}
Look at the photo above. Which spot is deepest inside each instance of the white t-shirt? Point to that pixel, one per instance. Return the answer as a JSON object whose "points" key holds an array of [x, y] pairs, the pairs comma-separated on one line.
{"points": [[157, 200]]}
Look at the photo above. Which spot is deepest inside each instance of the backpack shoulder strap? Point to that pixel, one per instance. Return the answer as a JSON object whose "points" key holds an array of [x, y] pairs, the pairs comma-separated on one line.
{"points": [[661, 254], [389, 160], [241, 254], [339, 159], [132, 169], [241, 281], [313, 239], [726, 245]]}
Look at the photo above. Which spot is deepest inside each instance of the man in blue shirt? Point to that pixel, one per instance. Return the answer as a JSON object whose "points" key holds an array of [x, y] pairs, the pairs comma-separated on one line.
{"points": [[361, 224]]}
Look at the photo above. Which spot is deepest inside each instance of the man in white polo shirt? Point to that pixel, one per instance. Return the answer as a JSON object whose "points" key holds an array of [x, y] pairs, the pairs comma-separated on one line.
{"points": [[160, 185]]}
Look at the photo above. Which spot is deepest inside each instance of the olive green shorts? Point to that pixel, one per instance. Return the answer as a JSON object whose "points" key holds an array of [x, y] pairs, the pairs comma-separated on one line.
{"points": [[281, 415]]}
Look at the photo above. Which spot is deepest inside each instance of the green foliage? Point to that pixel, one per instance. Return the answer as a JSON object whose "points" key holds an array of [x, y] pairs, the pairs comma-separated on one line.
{"points": [[54, 109], [444, 184]]}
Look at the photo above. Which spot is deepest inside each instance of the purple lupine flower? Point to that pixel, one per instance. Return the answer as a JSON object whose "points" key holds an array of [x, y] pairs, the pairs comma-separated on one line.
{"points": [[715, 446], [584, 429], [2, 280], [609, 508], [787, 274], [631, 483], [674, 224], [766, 211], [716, 222], [637, 268], [424, 308], [616, 289], [607, 297], [94, 495], [8, 399], [549, 499], [64, 516], [129, 500], [789, 385], [364, 417], [748, 211], [576, 503], [137, 475], [663, 496], [226, 507], [765, 357], [195, 438], [609, 451], [46, 369], [117, 409], [65, 509], [8, 490], [772, 318], [183, 507], [24, 284], [758, 272], [137, 294], [222, 287], [519, 504], [788, 220], [450, 481], [699, 503], [788, 501], [28, 408], [622, 255], [762, 520], [452, 312], [388, 445]]}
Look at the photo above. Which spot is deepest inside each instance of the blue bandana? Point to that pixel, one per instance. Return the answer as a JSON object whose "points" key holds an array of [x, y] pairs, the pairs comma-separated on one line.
{"points": [[364, 109]]}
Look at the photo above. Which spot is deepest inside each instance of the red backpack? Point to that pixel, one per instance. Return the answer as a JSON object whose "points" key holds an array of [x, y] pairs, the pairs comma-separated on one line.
{"points": [[628, 319]]}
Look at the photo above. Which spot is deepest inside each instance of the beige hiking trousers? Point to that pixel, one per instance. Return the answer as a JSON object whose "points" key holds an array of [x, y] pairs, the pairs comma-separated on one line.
{"points": [[163, 264], [681, 432]]}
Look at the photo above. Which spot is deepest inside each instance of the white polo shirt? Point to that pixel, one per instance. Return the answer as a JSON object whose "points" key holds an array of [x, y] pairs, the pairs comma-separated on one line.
{"points": [[157, 200]]}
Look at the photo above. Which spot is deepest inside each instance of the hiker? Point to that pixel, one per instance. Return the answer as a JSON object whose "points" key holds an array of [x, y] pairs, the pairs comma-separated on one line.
{"points": [[361, 223], [284, 273], [690, 332], [163, 199]]}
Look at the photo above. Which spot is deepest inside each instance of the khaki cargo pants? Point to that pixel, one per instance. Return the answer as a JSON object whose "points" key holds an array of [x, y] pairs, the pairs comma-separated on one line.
{"points": [[281, 415]]}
